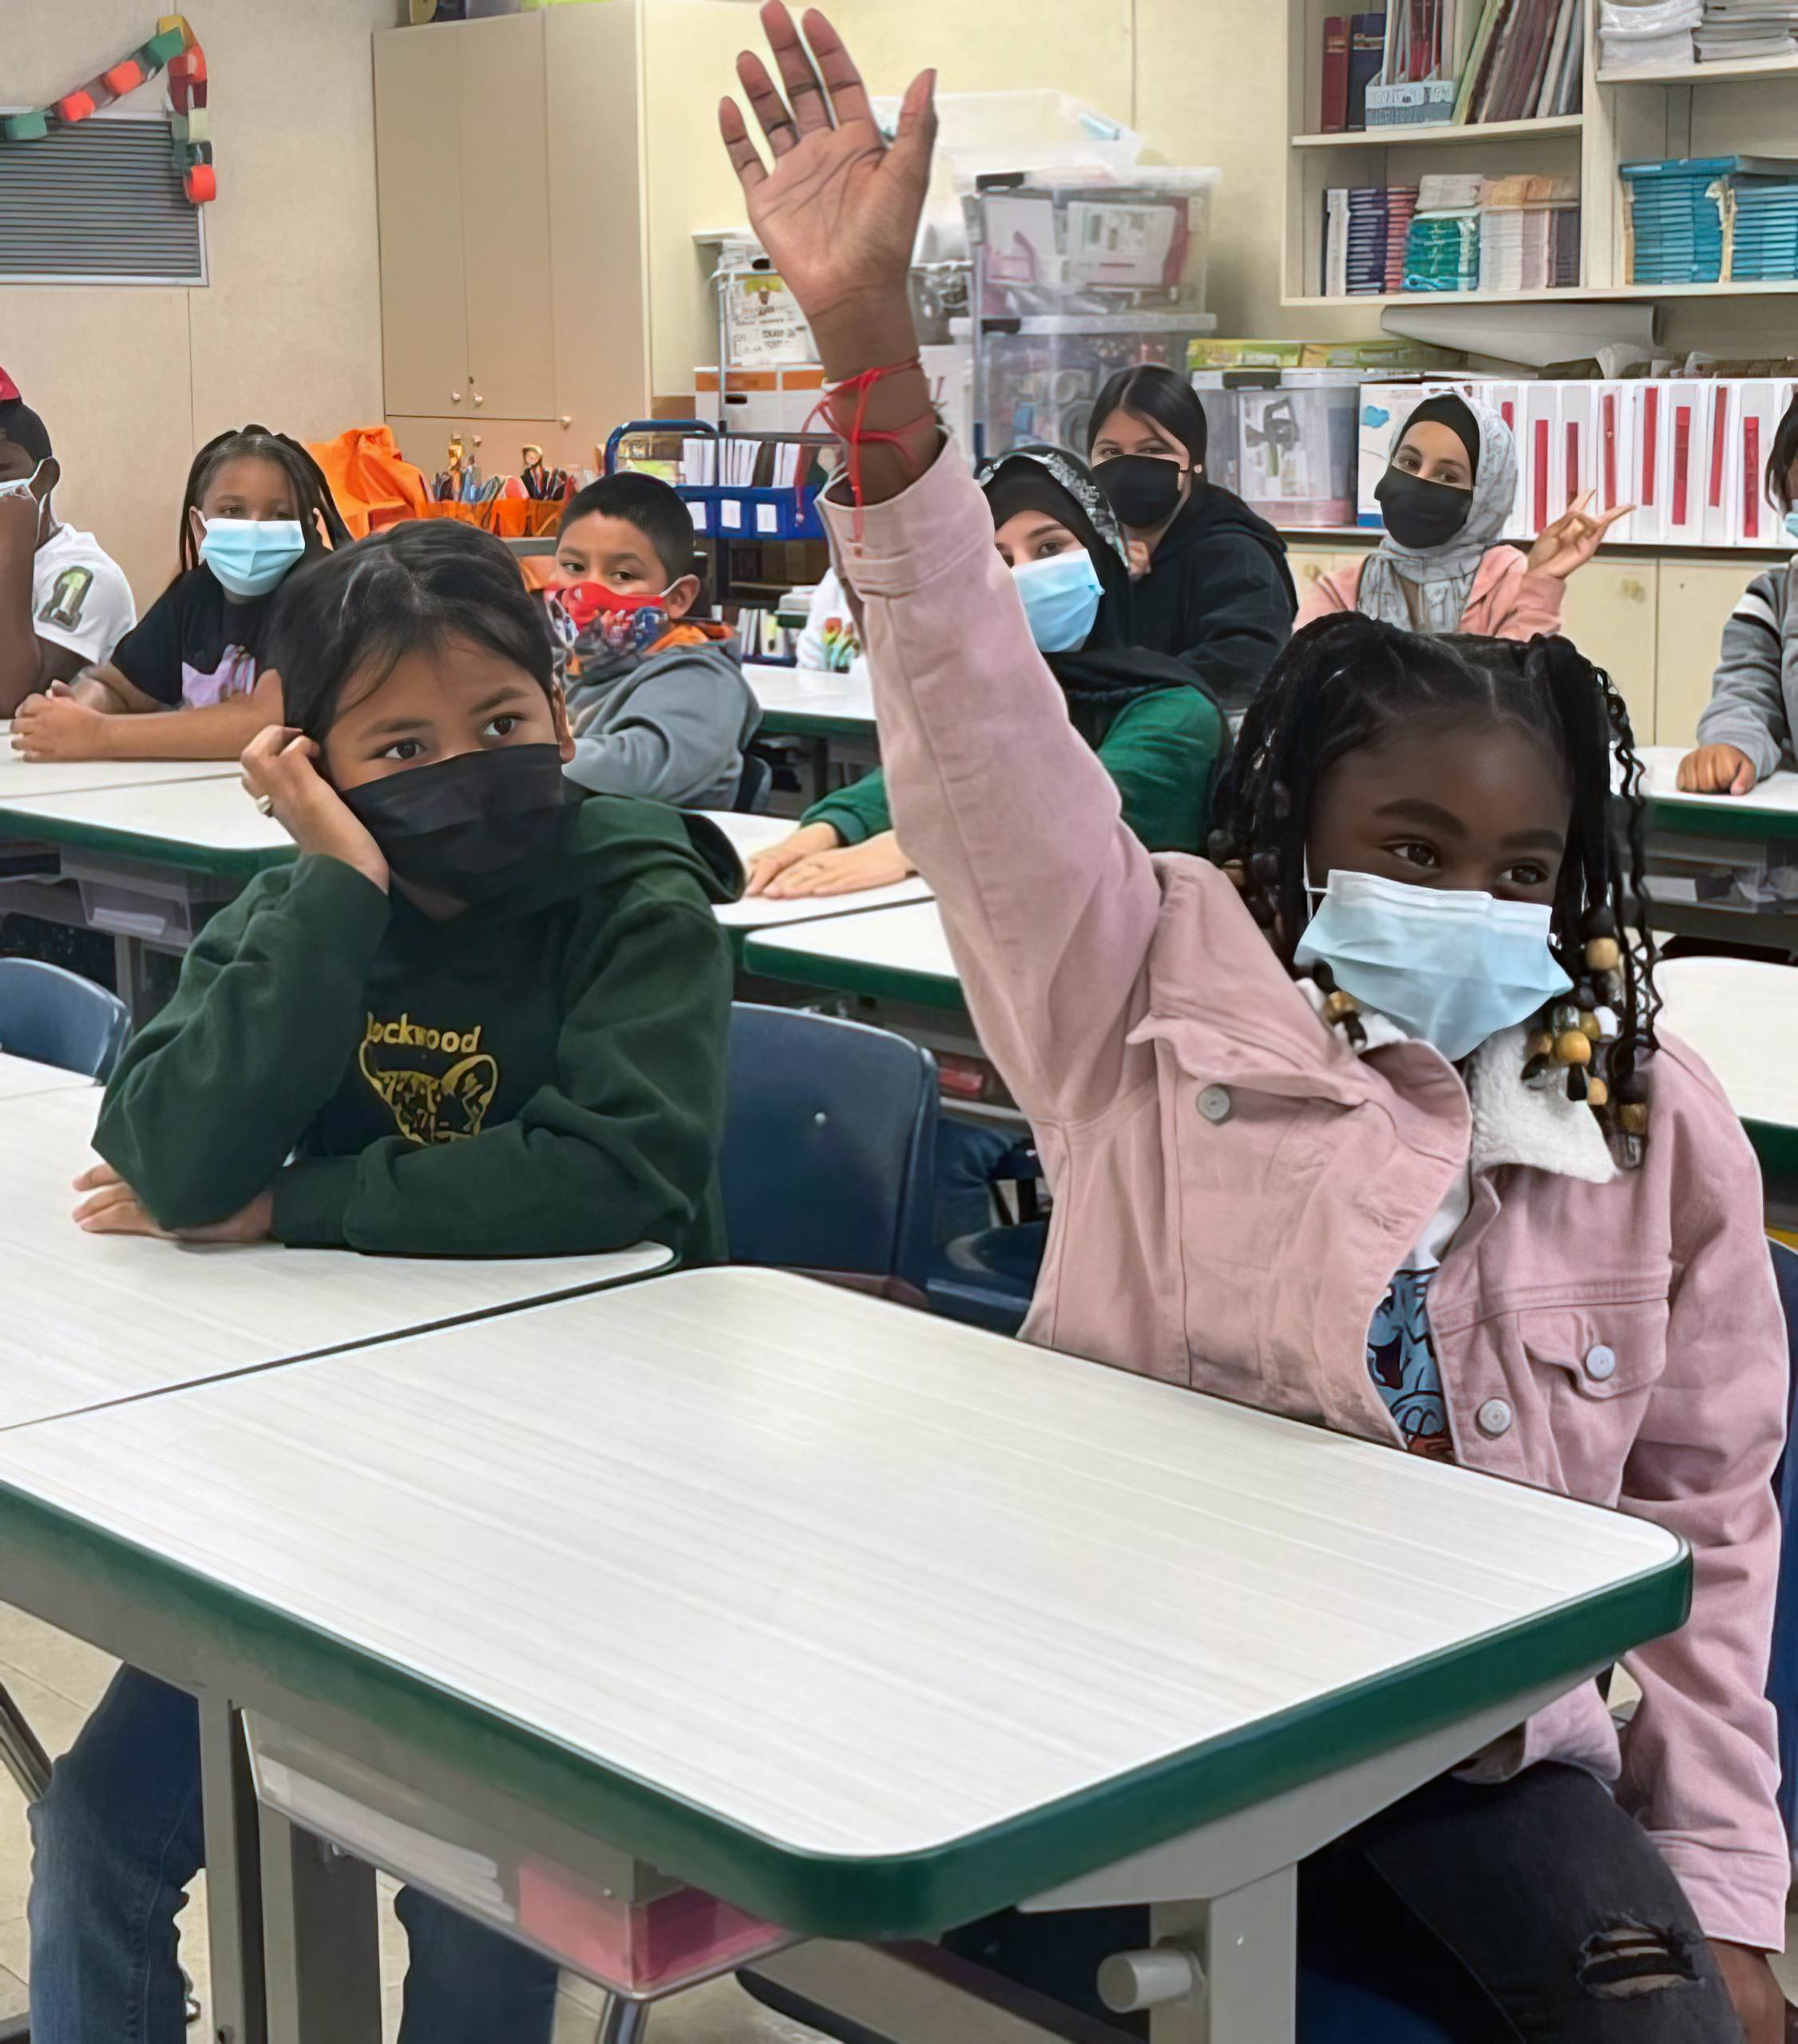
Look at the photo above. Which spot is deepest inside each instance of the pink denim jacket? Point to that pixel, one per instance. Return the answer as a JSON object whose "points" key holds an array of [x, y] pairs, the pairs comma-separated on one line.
{"points": [[1505, 602], [1615, 1336]]}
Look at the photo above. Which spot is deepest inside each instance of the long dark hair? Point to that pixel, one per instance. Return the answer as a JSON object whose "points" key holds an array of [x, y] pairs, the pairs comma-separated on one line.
{"points": [[1785, 452], [1159, 398], [1346, 681], [352, 614], [311, 492]]}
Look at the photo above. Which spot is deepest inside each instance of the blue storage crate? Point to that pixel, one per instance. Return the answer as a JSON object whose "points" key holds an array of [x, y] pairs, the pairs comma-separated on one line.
{"points": [[729, 513]]}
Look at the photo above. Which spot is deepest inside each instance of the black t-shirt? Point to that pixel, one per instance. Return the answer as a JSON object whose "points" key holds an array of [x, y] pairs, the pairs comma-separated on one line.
{"points": [[196, 645]]}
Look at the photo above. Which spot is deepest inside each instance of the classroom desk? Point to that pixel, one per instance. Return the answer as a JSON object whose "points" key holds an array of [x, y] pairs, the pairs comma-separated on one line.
{"points": [[19, 776], [832, 1609], [91, 1321], [895, 955], [1741, 1016], [1704, 851], [20, 1077], [145, 862], [750, 834], [831, 714]]}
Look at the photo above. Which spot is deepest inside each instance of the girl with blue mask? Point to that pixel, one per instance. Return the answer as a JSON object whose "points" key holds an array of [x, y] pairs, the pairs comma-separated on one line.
{"points": [[256, 506], [1745, 731], [1146, 714]]}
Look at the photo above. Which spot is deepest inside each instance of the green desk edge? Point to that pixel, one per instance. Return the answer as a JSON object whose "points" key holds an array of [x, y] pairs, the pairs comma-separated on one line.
{"points": [[814, 723], [1667, 816], [893, 1896], [28, 825], [765, 954]]}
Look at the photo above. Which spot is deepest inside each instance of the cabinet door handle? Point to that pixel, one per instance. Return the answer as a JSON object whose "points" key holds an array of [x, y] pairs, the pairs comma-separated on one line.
{"points": [[478, 397], [455, 396]]}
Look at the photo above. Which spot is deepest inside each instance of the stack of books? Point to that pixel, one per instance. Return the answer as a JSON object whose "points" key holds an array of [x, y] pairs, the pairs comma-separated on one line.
{"points": [[1697, 220], [1435, 63], [1525, 63], [1733, 29], [1529, 234], [1764, 237]]}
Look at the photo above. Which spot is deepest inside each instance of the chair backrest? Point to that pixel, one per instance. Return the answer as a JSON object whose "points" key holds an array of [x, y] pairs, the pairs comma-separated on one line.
{"points": [[830, 1146], [1782, 1670], [59, 1018], [755, 787]]}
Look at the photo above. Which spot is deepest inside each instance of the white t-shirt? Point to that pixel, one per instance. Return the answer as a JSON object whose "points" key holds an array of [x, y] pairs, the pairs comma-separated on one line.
{"points": [[80, 598]]}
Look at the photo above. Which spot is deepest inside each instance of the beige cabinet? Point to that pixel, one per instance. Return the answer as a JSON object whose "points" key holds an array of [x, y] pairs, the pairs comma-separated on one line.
{"points": [[541, 179], [1610, 614], [1696, 597]]}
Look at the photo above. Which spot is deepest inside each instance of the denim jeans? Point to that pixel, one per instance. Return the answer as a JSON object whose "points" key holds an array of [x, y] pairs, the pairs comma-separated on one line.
{"points": [[1533, 1909], [118, 1837]]}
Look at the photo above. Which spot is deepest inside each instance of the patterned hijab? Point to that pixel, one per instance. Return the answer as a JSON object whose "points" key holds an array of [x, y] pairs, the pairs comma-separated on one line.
{"points": [[1439, 580]]}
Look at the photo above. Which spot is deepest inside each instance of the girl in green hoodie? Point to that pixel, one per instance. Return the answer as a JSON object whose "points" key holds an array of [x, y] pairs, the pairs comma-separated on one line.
{"points": [[474, 1018]]}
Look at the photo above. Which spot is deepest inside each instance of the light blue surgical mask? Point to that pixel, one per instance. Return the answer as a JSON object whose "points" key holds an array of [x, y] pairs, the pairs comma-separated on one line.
{"points": [[1060, 599], [249, 556], [1791, 523], [1450, 965]]}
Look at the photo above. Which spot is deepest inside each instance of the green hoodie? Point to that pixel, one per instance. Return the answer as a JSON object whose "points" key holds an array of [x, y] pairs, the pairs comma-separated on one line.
{"points": [[542, 1075], [1162, 748]]}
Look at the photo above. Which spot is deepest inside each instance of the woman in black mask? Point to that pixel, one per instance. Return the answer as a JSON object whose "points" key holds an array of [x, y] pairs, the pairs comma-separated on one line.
{"points": [[1213, 588], [1446, 494]]}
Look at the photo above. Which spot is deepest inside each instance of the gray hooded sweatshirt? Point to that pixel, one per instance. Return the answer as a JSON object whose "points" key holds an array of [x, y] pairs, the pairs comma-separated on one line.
{"points": [[670, 725], [1754, 693]]}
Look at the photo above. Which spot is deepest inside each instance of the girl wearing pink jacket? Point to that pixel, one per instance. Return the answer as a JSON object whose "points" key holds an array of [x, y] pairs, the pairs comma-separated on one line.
{"points": [[1369, 1123], [1446, 496]]}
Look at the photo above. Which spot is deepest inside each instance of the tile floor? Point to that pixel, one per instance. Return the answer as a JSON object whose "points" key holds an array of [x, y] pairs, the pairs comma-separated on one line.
{"points": [[57, 1680]]}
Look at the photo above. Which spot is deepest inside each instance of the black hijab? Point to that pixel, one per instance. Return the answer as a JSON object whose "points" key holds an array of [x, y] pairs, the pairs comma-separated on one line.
{"points": [[1108, 671]]}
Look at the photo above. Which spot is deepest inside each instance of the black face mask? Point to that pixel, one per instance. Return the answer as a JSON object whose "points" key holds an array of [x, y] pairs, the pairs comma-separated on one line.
{"points": [[1418, 513], [1143, 490], [469, 827]]}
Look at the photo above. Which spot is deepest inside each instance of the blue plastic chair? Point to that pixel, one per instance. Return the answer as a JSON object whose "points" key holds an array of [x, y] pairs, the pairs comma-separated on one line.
{"points": [[829, 1147], [58, 1018], [756, 785]]}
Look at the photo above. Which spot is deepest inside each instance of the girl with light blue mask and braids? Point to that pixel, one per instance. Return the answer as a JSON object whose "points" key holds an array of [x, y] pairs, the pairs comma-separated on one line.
{"points": [[256, 505]]}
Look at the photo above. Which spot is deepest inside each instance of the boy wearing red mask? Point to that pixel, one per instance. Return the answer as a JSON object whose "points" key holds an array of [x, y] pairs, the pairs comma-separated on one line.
{"points": [[656, 699]]}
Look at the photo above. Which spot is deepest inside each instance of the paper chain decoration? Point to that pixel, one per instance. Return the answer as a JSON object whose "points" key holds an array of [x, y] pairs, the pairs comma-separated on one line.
{"points": [[173, 49]]}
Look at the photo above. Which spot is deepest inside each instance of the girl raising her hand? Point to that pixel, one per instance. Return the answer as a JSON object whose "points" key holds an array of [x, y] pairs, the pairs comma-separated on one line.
{"points": [[1368, 1123]]}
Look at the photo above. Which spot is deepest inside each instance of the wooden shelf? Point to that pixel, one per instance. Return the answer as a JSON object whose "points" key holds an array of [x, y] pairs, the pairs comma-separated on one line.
{"points": [[1398, 137], [1706, 74], [1557, 295]]}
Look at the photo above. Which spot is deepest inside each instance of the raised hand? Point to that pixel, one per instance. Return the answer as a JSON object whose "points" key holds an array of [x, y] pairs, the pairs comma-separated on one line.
{"points": [[1573, 539], [838, 212]]}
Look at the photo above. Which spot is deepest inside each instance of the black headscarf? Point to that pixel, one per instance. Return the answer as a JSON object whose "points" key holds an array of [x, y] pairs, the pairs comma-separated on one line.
{"points": [[1457, 415], [1100, 677]]}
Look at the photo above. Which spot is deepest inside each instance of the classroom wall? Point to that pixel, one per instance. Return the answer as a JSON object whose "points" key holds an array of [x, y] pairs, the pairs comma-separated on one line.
{"points": [[130, 378]]}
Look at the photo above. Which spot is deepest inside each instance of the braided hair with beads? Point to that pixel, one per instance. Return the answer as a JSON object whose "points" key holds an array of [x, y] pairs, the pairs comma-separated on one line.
{"points": [[1346, 682]]}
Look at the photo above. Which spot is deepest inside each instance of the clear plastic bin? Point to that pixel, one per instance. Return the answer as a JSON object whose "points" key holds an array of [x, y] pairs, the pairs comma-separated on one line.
{"points": [[1296, 459], [1039, 382], [611, 1919]]}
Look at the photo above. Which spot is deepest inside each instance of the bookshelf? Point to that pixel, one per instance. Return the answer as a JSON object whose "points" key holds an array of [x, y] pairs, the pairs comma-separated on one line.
{"points": [[1748, 108]]}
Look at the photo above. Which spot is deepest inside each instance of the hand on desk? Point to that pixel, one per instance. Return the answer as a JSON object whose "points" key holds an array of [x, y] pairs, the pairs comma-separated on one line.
{"points": [[56, 724], [1716, 770], [112, 1208], [879, 861], [764, 869]]}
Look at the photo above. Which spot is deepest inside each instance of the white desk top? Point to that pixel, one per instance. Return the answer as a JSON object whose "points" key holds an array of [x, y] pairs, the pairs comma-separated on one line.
{"points": [[60, 777], [20, 1077], [1777, 795], [1741, 1016], [881, 947], [854, 1580], [212, 816], [812, 692], [750, 834], [91, 1317]]}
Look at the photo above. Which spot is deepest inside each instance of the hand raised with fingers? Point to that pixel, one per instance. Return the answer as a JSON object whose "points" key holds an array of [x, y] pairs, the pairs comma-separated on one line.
{"points": [[839, 210], [1572, 539]]}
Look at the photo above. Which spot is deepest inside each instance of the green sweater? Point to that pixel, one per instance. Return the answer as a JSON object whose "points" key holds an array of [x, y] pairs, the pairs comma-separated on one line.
{"points": [[1161, 750], [540, 1075]]}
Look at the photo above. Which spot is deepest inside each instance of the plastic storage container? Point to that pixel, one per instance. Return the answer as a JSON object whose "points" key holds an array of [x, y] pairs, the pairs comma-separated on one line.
{"points": [[1296, 461], [1038, 378]]}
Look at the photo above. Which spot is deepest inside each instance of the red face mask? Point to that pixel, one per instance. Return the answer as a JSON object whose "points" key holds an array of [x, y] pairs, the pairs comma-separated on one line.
{"points": [[623, 620]]}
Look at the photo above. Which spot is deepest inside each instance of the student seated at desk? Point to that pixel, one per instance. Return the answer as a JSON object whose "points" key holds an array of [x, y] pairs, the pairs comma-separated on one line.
{"points": [[657, 699], [1156, 728], [1446, 494], [1745, 731], [256, 505], [64, 600], [475, 1018], [1368, 1125]]}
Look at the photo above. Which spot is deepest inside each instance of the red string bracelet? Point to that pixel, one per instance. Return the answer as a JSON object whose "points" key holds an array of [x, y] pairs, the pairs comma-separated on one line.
{"points": [[859, 434]]}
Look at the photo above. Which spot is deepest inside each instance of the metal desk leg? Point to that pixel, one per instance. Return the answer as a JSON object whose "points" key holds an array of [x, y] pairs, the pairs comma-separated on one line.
{"points": [[21, 1751], [233, 1884], [624, 2022], [322, 1936], [1247, 1944]]}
